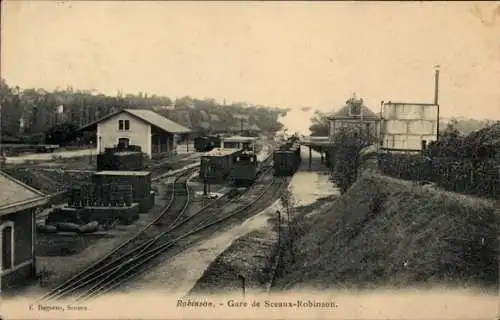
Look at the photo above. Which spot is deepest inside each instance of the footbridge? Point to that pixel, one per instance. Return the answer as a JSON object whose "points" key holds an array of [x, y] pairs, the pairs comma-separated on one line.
{"points": [[318, 144]]}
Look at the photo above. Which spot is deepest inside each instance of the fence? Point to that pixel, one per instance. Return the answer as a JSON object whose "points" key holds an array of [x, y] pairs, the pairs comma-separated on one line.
{"points": [[481, 178]]}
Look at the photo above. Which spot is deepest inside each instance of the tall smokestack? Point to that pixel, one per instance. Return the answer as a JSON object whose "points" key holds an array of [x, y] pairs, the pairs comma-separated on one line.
{"points": [[436, 85]]}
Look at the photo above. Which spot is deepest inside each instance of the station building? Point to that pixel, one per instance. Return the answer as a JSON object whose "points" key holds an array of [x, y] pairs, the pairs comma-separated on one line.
{"points": [[354, 115], [19, 205], [155, 134]]}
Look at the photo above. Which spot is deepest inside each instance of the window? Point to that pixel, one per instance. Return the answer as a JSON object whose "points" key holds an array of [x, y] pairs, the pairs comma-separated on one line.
{"points": [[124, 125], [7, 242]]}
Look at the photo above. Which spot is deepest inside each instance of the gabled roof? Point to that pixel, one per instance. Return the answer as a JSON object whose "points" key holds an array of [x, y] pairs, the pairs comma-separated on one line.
{"points": [[147, 116], [157, 120], [344, 113], [16, 196]]}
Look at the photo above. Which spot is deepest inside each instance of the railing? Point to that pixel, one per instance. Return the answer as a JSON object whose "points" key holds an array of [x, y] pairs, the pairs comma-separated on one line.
{"points": [[314, 139]]}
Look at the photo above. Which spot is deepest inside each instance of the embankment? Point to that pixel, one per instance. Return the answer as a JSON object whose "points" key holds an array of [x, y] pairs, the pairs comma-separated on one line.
{"points": [[385, 232]]}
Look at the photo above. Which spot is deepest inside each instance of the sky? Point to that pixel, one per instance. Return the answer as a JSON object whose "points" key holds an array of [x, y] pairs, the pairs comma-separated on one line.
{"points": [[284, 54]]}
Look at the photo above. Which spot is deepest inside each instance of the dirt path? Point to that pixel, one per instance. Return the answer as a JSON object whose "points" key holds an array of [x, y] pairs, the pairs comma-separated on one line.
{"points": [[179, 274], [251, 253]]}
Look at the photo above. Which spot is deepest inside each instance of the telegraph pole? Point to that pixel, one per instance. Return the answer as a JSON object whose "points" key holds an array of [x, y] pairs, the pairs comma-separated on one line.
{"points": [[205, 173], [242, 279]]}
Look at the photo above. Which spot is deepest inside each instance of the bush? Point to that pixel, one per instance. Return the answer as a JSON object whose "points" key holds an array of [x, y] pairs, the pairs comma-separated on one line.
{"points": [[346, 156], [481, 178], [467, 164]]}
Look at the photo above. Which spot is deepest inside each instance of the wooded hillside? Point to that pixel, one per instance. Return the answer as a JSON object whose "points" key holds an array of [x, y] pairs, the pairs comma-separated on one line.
{"points": [[33, 114]]}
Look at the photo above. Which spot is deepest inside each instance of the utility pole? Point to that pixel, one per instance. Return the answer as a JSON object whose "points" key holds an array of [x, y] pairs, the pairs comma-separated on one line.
{"points": [[290, 235], [242, 279], [205, 173], [279, 229]]}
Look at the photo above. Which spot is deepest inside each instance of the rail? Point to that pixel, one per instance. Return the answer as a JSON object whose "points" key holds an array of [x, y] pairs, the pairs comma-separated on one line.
{"points": [[140, 263], [103, 278], [69, 285]]}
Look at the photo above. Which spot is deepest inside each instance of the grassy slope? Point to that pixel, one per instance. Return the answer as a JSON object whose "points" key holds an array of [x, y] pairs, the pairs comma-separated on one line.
{"points": [[390, 232]]}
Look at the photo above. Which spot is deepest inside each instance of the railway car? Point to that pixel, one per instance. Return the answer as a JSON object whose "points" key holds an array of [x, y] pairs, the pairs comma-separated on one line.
{"points": [[286, 160], [113, 159], [239, 142], [207, 143], [216, 165], [246, 168], [246, 165]]}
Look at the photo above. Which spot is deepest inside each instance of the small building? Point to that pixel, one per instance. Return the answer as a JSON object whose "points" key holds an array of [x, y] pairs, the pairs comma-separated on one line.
{"points": [[155, 134], [19, 205], [354, 114]]}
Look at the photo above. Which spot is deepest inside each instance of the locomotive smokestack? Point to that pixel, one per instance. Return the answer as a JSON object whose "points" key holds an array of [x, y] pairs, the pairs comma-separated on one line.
{"points": [[436, 85]]}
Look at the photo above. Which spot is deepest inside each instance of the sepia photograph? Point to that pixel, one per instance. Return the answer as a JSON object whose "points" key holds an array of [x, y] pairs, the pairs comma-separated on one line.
{"points": [[249, 159]]}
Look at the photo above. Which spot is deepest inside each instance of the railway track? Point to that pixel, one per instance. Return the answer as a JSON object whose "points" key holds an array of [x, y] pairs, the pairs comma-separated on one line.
{"points": [[211, 216], [98, 272], [137, 254], [134, 257]]}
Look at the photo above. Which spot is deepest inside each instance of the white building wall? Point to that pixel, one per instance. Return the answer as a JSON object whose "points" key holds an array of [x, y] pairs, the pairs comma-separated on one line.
{"points": [[138, 134], [406, 125]]}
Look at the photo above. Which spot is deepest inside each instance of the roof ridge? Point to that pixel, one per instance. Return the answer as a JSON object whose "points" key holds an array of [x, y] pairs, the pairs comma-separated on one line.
{"points": [[22, 184]]}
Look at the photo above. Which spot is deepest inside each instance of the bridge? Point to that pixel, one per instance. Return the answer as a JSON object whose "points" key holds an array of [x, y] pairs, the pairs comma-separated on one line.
{"points": [[319, 144]]}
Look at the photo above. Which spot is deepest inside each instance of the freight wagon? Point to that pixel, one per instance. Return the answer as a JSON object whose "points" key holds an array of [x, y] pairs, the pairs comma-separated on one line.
{"points": [[216, 165], [139, 180], [120, 160], [207, 143], [286, 160]]}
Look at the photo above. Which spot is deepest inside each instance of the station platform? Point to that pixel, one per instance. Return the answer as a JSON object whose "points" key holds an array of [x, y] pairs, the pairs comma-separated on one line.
{"points": [[318, 144]]}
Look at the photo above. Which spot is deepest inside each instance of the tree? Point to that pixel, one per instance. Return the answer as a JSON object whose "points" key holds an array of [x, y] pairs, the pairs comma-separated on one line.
{"points": [[37, 108], [61, 134], [347, 143], [320, 124]]}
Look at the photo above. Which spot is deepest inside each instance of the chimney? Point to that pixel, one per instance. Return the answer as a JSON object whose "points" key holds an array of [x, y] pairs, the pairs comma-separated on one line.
{"points": [[436, 85]]}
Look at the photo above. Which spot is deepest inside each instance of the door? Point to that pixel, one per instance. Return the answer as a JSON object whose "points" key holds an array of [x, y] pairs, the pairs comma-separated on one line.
{"points": [[123, 143], [7, 244]]}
